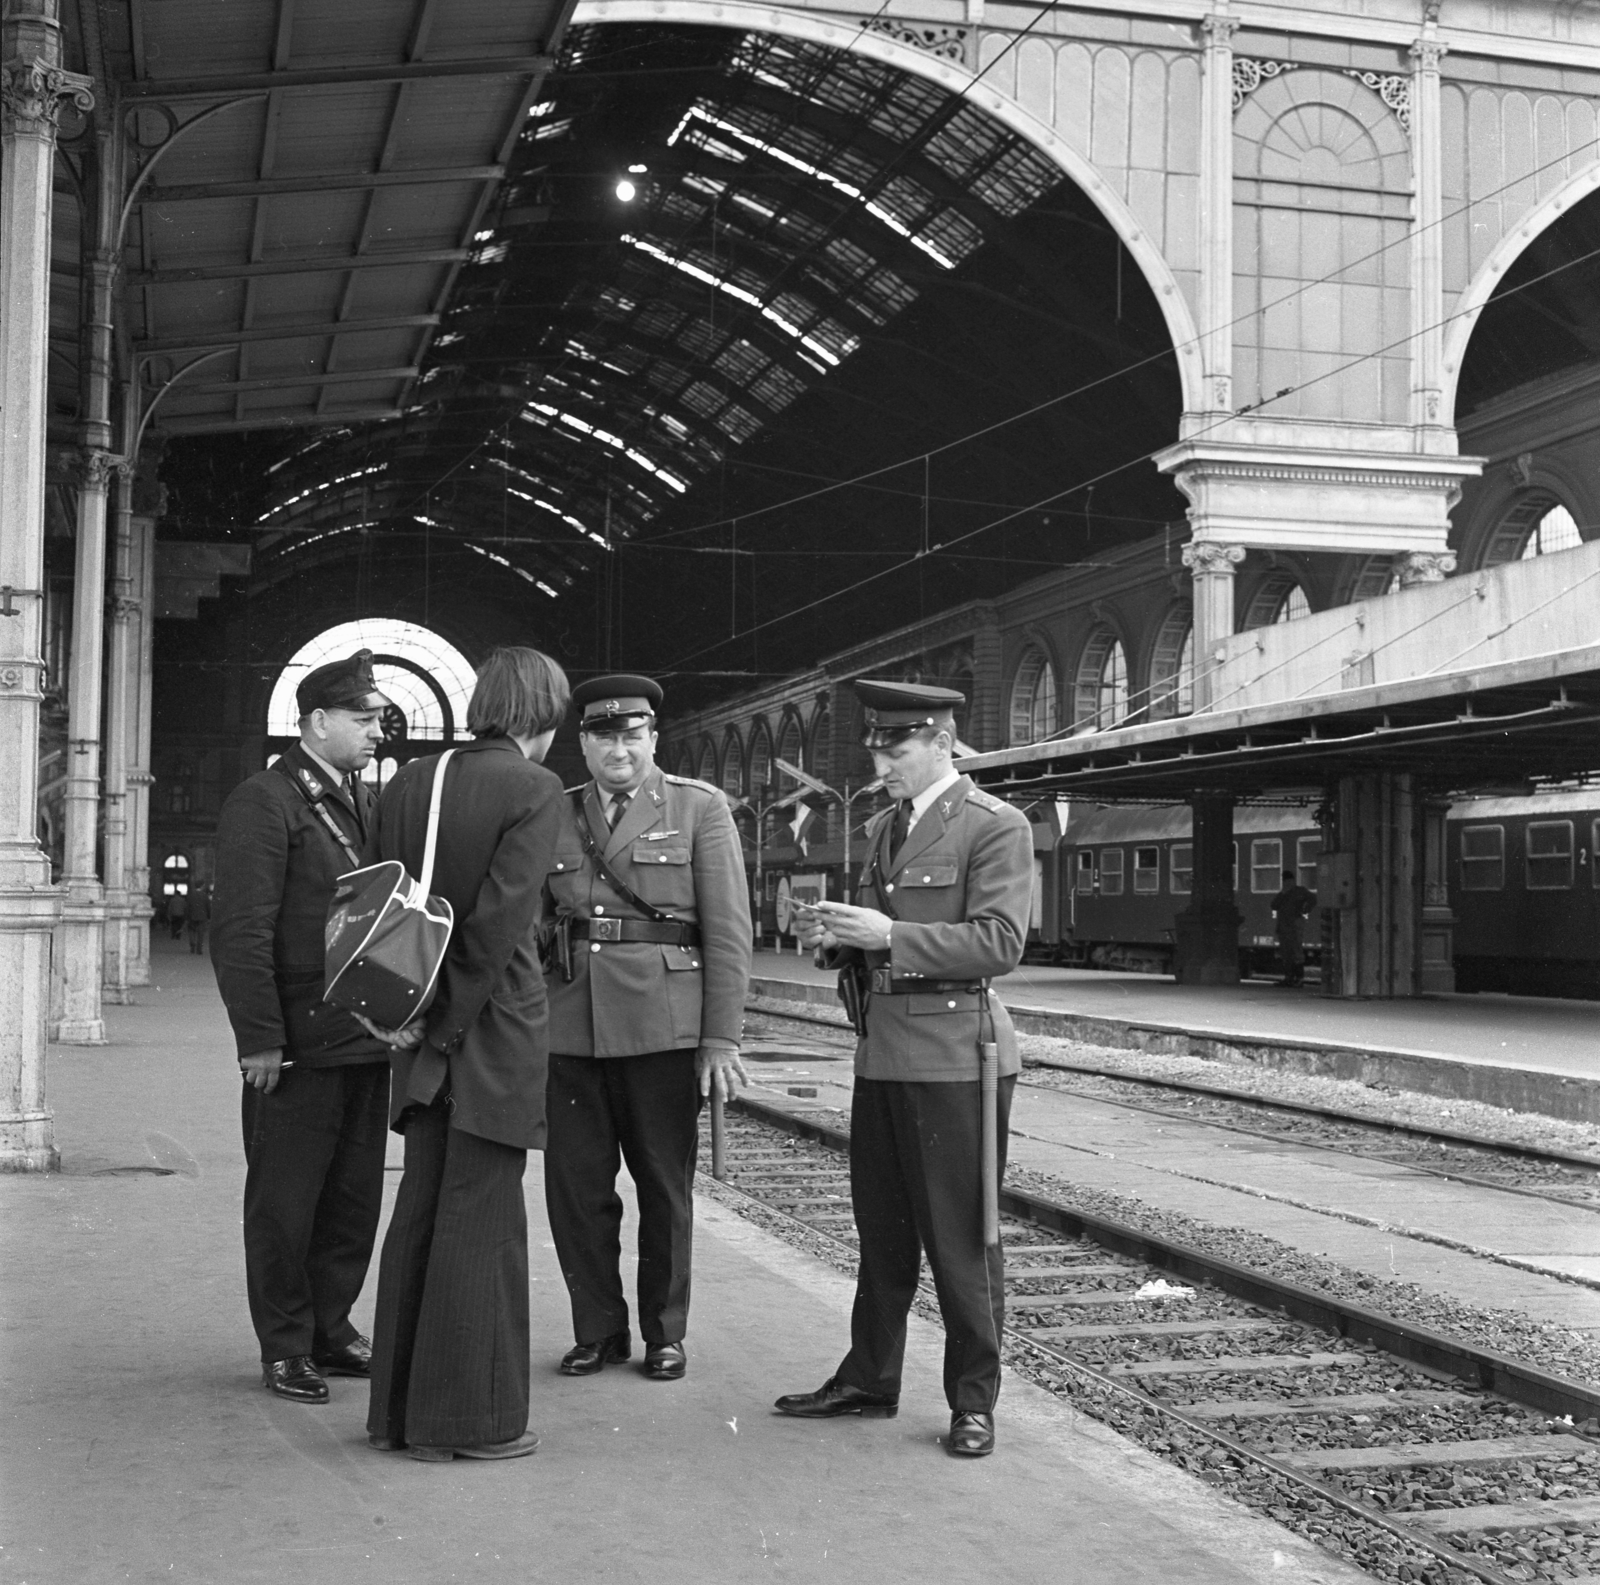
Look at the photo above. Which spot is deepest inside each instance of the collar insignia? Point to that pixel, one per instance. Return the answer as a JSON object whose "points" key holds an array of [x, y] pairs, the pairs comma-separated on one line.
{"points": [[946, 805]]}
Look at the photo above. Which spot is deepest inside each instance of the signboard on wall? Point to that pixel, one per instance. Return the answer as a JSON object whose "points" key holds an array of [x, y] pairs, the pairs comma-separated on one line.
{"points": [[801, 887]]}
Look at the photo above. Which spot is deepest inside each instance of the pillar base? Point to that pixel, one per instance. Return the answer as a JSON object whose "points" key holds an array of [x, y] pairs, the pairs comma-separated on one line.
{"points": [[79, 951], [26, 1143], [121, 947], [1207, 937]]}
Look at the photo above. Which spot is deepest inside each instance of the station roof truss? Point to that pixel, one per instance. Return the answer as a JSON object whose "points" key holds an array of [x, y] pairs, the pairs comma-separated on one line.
{"points": [[596, 361], [1498, 728]]}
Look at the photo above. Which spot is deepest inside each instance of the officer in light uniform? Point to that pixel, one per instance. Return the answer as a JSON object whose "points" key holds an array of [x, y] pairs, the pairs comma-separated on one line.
{"points": [[648, 896], [942, 905]]}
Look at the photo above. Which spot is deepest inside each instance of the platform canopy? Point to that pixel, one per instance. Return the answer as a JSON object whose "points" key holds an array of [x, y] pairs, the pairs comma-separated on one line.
{"points": [[1501, 727]]}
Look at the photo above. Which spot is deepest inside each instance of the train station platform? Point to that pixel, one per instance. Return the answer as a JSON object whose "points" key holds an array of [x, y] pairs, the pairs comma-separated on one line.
{"points": [[140, 1446], [1525, 1053]]}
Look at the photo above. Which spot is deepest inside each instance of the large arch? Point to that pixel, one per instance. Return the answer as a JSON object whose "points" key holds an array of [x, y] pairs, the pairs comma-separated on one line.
{"points": [[1463, 318], [958, 80]]}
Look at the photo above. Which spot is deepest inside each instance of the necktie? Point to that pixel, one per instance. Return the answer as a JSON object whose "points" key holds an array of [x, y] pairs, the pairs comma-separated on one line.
{"points": [[902, 825], [618, 805]]}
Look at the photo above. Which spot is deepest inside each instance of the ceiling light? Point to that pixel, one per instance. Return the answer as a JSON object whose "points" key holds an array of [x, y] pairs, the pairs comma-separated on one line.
{"points": [[626, 191], [637, 170]]}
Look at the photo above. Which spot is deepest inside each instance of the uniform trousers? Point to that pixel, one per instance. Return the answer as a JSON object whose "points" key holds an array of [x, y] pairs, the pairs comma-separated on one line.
{"points": [[602, 1111], [916, 1177], [313, 1192], [450, 1339]]}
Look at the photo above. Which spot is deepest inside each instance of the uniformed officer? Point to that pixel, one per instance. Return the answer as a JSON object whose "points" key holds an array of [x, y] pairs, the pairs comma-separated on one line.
{"points": [[652, 921], [942, 905], [314, 1137]]}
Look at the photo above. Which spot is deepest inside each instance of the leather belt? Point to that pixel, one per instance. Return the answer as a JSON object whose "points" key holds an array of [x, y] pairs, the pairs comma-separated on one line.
{"points": [[673, 935], [884, 985]]}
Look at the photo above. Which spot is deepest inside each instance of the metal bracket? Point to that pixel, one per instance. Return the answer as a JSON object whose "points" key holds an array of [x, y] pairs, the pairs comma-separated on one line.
{"points": [[8, 596]]}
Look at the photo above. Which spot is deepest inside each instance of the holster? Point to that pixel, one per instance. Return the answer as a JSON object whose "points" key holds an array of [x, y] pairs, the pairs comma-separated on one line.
{"points": [[555, 948], [855, 991]]}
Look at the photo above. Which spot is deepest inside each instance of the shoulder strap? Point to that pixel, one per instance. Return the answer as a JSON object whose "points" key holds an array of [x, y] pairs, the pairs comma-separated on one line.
{"points": [[430, 847], [619, 886], [320, 810]]}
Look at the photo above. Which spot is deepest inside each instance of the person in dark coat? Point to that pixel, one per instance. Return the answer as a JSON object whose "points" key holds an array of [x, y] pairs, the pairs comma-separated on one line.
{"points": [[199, 917], [942, 907], [1293, 905], [451, 1339], [316, 1085]]}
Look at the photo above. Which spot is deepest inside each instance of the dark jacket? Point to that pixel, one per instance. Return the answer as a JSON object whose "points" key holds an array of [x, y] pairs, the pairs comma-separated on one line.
{"points": [[487, 1027], [677, 849], [277, 864]]}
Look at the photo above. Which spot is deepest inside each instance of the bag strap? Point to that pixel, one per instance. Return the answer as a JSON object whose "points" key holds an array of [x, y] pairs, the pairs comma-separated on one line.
{"points": [[321, 811], [618, 885], [430, 847]]}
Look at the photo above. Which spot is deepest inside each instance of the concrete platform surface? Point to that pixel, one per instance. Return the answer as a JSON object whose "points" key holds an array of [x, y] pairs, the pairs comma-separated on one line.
{"points": [[140, 1448], [1525, 1052]]}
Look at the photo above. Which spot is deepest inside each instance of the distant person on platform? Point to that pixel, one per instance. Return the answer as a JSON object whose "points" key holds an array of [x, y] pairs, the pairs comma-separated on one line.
{"points": [[177, 912], [316, 1084], [199, 918], [651, 920], [942, 906], [450, 1353], [1291, 908]]}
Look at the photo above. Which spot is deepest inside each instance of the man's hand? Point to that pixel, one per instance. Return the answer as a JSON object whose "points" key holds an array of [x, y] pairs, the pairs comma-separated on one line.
{"points": [[717, 1066], [400, 1039], [262, 1069], [847, 926]]}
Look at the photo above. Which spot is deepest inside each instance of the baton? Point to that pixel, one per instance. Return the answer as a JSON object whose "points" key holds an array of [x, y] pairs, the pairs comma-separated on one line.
{"points": [[988, 1086], [719, 1169]]}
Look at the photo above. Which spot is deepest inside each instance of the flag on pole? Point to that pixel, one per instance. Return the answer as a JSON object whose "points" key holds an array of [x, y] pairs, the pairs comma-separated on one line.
{"points": [[800, 825]]}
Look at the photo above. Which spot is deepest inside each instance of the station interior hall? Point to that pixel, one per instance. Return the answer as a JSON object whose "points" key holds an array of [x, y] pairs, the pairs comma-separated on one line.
{"points": [[1206, 391]]}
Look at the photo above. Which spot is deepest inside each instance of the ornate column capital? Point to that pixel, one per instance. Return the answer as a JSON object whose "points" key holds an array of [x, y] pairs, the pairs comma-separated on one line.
{"points": [[1217, 29], [1425, 566], [1207, 558], [32, 93], [96, 468], [1426, 54]]}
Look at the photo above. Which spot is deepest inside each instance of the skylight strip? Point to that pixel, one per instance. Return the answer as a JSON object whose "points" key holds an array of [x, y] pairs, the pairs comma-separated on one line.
{"points": [[616, 442]]}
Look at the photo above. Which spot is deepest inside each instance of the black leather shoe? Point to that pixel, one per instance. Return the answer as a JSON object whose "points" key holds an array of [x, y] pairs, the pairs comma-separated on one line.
{"points": [[517, 1447], [386, 1444], [588, 1359], [354, 1359], [295, 1379], [665, 1361], [837, 1397], [971, 1434]]}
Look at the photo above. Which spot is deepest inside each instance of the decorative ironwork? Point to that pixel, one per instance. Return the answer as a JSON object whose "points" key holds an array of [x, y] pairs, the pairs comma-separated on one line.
{"points": [[32, 95], [1249, 73], [948, 43], [1393, 88]]}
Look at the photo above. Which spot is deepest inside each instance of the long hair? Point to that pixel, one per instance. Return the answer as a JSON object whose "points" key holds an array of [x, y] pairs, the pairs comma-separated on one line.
{"points": [[520, 692]]}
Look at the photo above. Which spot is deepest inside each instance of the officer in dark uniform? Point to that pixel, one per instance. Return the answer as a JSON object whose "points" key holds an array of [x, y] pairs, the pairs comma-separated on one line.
{"points": [[316, 1084], [652, 922], [942, 906]]}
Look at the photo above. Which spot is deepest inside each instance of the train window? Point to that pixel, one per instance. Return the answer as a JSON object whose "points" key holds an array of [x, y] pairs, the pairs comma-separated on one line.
{"points": [[1306, 850], [1549, 856], [1180, 867], [1085, 871], [1483, 858], [1147, 869], [1266, 865], [1110, 872]]}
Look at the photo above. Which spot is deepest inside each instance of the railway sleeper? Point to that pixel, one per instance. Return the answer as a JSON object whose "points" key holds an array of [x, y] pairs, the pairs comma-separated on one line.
{"points": [[1241, 1364], [1414, 1455], [1556, 1512], [1335, 1403]]}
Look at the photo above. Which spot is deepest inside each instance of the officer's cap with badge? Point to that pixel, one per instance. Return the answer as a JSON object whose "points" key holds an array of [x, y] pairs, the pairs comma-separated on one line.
{"points": [[615, 704], [892, 711], [340, 685]]}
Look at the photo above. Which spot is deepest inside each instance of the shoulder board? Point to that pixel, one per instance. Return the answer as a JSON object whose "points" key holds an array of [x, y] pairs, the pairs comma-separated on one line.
{"points": [[690, 781], [982, 800]]}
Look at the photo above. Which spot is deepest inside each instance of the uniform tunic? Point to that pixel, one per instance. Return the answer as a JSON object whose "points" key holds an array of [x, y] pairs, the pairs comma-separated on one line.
{"points": [[623, 1035], [959, 891]]}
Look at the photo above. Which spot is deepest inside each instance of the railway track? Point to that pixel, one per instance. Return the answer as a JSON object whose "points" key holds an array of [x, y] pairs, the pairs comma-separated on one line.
{"points": [[1563, 1176], [1417, 1454]]}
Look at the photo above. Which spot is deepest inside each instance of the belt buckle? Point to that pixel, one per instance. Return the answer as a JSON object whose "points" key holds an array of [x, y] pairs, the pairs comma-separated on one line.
{"points": [[605, 929], [881, 980]]}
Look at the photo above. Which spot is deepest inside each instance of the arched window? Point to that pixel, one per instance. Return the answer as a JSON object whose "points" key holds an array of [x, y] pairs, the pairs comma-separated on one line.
{"points": [[1556, 530], [732, 764], [428, 678], [1172, 666], [1033, 698], [760, 761], [685, 761], [708, 761], [1102, 691], [175, 875], [791, 747], [1279, 599], [821, 728]]}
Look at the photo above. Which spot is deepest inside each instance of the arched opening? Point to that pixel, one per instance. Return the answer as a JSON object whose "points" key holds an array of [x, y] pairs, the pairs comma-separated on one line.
{"points": [[427, 680], [1034, 712], [1102, 687], [1556, 530], [1280, 598], [732, 764], [791, 747], [1536, 524], [708, 761], [760, 762], [1172, 666]]}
